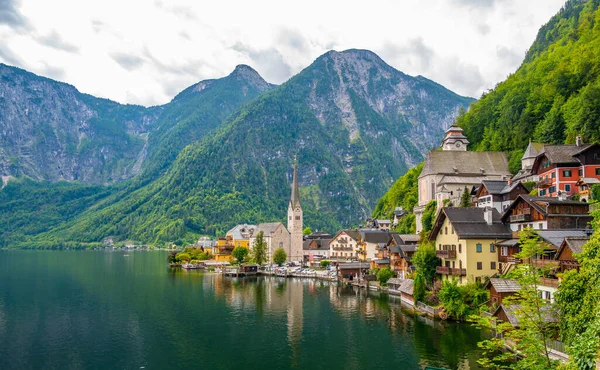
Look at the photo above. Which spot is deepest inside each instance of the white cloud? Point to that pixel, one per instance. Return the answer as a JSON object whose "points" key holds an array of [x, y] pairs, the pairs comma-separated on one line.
{"points": [[143, 52]]}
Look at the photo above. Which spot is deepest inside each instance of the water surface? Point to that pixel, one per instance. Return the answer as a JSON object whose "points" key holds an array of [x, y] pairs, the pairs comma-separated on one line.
{"points": [[105, 310]]}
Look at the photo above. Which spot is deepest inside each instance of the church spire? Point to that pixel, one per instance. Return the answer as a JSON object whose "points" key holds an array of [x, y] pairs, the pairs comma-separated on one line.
{"points": [[295, 198]]}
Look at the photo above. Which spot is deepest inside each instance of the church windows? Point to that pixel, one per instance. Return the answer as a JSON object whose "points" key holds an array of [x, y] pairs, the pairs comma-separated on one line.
{"points": [[298, 218]]}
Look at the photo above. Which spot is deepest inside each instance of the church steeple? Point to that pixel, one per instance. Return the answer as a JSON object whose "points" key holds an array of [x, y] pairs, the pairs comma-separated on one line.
{"points": [[295, 198], [455, 140], [295, 220]]}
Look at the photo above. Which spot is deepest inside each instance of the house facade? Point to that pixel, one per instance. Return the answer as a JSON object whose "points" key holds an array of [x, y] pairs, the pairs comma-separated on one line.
{"points": [[498, 193], [542, 213], [465, 241], [560, 167], [344, 246]]}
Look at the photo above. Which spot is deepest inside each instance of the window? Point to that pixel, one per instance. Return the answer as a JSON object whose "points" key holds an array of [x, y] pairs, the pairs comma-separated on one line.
{"points": [[567, 187], [479, 265], [541, 226], [446, 230], [597, 171], [297, 217], [493, 265], [492, 248], [452, 230], [552, 189], [479, 248], [460, 248], [553, 175], [543, 192], [580, 172], [567, 173], [504, 251]]}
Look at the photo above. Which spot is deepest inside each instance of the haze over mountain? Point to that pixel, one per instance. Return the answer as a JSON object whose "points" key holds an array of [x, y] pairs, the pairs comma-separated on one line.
{"points": [[354, 122]]}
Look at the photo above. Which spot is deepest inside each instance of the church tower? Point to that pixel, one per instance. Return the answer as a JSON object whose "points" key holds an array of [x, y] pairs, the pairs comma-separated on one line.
{"points": [[455, 140], [295, 221]]}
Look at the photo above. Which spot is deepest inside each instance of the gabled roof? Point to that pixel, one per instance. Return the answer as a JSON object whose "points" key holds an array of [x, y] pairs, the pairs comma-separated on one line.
{"points": [[267, 228], [574, 243], [404, 285], [354, 234], [469, 223], [533, 149], [466, 163], [556, 237], [499, 187], [504, 285], [375, 236], [540, 204], [561, 154], [242, 232], [548, 314]]}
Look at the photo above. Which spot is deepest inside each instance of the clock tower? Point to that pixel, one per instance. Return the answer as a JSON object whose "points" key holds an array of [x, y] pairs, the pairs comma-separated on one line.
{"points": [[295, 221], [454, 139]]}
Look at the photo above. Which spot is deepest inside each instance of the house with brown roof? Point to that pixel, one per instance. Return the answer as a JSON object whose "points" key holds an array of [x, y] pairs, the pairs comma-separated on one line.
{"points": [[571, 246], [370, 243], [465, 241], [401, 250], [500, 289], [447, 172], [344, 246], [498, 193], [560, 167], [315, 250], [542, 213]]}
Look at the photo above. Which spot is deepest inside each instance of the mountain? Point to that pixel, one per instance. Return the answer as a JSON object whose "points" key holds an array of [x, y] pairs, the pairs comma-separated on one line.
{"points": [[553, 96], [50, 131], [354, 123]]}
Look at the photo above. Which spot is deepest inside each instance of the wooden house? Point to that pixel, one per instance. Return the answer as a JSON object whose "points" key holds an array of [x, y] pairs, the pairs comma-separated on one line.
{"points": [[542, 213], [498, 193], [500, 289], [402, 288], [567, 251]]}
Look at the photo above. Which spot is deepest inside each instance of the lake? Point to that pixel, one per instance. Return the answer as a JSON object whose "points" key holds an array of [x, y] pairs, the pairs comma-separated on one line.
{"points": [[109, 310]]}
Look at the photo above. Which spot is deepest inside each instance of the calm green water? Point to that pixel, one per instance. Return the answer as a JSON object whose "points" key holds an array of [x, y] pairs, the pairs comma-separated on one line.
{"points": [[104, 310]]}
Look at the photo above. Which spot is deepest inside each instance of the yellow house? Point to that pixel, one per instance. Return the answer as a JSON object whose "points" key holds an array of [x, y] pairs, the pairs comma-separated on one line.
{"points": [[240, 235], [465, 242]]}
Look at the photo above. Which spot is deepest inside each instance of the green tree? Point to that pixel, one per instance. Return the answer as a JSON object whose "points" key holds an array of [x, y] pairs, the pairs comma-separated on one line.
{"points": [[429, 215], [259, 250], [279, 256], [425, 262], [419, 288], [182, 257], [306, 231], [465, 198], [240, 253], [531, 311], [384, 274], [325, 263]]}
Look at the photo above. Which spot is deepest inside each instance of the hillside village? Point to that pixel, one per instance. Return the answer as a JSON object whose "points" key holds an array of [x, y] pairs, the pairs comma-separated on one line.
{"points": [[470, 208]]}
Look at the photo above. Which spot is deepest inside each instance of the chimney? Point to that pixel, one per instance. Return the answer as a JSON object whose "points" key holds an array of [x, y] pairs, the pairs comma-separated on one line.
{"points": [[509, 182], [488, 215], [578, 141]]}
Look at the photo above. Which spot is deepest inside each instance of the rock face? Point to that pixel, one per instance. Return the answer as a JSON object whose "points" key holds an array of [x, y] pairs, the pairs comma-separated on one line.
{"points": [[50, 131]]}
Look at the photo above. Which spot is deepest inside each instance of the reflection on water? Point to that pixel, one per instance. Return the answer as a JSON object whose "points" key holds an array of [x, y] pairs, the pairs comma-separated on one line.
{"points": [[103, 310]]}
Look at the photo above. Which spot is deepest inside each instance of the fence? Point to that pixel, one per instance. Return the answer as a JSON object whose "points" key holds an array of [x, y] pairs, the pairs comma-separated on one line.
{"points": [[433, 312]]}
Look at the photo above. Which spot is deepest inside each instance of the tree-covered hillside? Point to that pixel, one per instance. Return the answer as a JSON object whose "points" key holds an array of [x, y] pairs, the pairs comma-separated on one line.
{"points": [[554, 96]]}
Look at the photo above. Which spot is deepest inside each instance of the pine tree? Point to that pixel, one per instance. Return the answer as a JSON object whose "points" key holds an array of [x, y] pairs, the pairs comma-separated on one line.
{"points": [[259, 250]]}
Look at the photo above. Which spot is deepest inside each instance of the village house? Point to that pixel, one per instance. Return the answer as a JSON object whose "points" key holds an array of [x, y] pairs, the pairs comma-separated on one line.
{"points": [[354, 271], [498, 193], [447, 172], [565, 255], [316, 247], [402, 247], [465, 241], [560, 167], [500, 289], [222, 249], [275, 235], [402, 288], [543, 213], [370, 241], [240, 235], [344, 246]]}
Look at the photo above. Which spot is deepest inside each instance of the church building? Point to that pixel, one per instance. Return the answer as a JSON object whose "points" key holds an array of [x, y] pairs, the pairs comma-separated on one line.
{"points": [[294, 224], [448, 172]]}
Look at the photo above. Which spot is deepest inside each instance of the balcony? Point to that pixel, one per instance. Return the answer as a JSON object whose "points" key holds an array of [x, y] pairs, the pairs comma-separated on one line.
{"points": [[342, 248], [443, 270], [549, 282], [445, 253], [544, 263], [569, 264], [520, 218], [544, 183]]}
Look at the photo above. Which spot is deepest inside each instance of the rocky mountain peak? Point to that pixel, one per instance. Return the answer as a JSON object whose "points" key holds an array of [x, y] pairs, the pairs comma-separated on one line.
{"points": [[250, 75]]}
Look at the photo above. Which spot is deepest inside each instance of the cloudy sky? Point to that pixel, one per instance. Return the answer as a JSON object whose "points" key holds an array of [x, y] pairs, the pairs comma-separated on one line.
{"points": [[146, 51]]}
